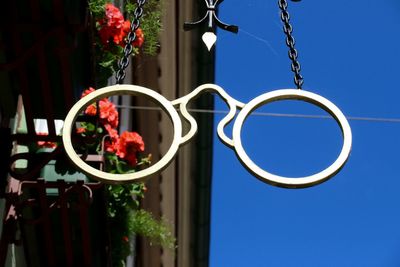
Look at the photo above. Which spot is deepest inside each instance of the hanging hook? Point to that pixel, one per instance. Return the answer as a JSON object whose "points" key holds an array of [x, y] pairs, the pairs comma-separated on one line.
{"points": [[212, 17], [209, 37]]}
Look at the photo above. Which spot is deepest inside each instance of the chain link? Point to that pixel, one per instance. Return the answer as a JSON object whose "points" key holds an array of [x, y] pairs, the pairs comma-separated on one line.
{"points": [[135, 24], [290, 42]]}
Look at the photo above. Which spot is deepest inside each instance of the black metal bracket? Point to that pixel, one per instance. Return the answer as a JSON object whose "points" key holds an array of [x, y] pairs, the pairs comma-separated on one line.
{"points": [[212, 18]]}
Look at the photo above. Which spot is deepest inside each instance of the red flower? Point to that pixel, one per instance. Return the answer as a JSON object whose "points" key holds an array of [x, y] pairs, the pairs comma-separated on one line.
{"points": [[128, 145], [91, 110], [139, 38], [125, 146], [87, 91], [111, 131], [113, 28], [113, 15], [110, 144], [47, 144], [125, 239], [108, 113], [119, 38], [80, 130], [111, 25], [126, 28]]}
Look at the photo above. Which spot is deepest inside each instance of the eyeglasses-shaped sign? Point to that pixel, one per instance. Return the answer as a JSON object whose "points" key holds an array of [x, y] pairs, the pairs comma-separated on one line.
{"points": [[235, 142]]}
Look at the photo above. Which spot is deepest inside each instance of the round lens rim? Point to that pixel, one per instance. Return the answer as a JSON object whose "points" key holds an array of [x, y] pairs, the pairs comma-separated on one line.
{"points": [[291, 182], [122, 89]]}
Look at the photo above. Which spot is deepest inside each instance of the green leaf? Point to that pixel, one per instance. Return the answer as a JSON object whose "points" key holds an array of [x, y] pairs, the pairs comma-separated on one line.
{"points": [[106, 64], [90, 127], [121, 165]]}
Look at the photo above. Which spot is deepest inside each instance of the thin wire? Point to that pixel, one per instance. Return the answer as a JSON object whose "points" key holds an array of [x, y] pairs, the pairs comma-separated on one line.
{"points": [[258, 38], [271, 114]]}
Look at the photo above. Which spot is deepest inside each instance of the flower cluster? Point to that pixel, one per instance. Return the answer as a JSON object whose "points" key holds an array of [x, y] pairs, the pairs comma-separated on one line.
{"points": [[45, 144], [112, 32], [122, 153], [108, 114], [126, 146], [113, 28]]}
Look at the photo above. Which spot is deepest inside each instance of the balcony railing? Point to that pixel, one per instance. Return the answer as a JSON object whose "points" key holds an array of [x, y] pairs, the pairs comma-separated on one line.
{"points": [[45, 62]]}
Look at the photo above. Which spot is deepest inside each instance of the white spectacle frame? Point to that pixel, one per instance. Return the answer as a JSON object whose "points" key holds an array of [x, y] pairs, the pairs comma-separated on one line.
{"points": [[235, 142]]}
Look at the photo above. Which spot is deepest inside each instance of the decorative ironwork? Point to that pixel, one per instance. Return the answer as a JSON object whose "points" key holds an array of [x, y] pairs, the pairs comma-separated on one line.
{"points": [[211, 18], [209, 37], [29, 196], [235, 142]]}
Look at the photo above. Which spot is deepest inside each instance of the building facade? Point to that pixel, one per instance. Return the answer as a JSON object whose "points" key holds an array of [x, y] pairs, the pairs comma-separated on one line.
{"points": [[45, 64]]}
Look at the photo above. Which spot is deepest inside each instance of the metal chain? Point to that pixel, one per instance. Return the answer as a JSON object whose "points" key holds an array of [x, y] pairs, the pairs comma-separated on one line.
{"points": [[135, 24], [288, 29]]}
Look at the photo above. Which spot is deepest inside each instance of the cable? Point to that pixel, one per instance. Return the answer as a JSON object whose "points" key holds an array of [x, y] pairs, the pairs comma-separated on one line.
{"points": [[270, 114]]}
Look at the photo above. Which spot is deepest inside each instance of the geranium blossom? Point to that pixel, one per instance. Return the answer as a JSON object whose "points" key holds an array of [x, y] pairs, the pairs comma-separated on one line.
{"points": [[113, 28], [110, 144], [80, 130], [108, 113], [87, 91], [91, 110], [113, 15], [125, 146], [47, 144], [139, 38], [128, 145]]}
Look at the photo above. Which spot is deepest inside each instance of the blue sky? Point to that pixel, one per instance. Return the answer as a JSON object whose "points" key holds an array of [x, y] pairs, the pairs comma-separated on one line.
{"points": [[350, 54]]}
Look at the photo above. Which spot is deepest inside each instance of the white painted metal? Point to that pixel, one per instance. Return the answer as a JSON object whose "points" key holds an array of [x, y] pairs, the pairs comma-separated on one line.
{"points": [[121, 90], [234, 142], [292, 94]]}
